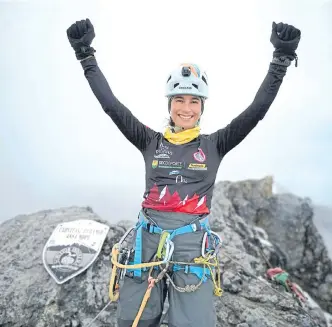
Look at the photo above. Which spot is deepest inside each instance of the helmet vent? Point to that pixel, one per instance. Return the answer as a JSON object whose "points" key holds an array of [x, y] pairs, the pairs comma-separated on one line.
{"points": [[204, 79], [187, 79]]}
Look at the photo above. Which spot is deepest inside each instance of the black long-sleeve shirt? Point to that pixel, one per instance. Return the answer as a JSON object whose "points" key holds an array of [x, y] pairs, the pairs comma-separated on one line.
{"points": [[180, 178]]}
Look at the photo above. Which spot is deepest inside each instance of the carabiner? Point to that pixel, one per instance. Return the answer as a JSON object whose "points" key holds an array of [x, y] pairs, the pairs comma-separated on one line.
{"points": [[169, 250], [163, 245], [124, 270], [122, 239], [203, 244], [217, 236], [217, 244]]}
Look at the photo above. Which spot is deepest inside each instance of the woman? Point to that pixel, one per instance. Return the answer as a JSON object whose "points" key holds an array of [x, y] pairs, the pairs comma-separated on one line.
{"points": [[181, 166]]}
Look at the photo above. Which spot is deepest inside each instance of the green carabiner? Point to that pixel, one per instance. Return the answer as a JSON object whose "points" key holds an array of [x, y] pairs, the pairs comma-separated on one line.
{"points": [[161, 251]]}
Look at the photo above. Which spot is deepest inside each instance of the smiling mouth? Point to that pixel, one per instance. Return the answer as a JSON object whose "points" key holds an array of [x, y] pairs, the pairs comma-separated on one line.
{"points": [[186, 117]]}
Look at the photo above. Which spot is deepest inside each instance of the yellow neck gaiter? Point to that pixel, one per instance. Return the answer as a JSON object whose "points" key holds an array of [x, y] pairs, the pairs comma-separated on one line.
{"points": [[183, 136]]}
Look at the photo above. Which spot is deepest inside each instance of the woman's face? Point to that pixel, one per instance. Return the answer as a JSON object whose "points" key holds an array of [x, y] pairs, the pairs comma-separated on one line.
{"points": [[185, 110]]}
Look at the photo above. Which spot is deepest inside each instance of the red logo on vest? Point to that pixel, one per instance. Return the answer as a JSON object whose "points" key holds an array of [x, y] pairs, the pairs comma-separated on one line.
{"points": [[199, 155]]}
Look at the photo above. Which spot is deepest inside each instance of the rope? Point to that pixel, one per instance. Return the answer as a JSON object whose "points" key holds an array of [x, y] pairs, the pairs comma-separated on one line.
{"points": [[151, 283], [188, 288], [114, 287], [101, 311]]}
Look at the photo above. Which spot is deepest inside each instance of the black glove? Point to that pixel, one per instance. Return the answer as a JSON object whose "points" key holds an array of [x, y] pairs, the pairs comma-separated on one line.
{"points": [[285, 39], [80, 36]]}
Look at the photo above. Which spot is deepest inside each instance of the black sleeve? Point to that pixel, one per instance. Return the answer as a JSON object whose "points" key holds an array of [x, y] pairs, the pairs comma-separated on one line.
{"points": [[136, 132], [229, 137]]}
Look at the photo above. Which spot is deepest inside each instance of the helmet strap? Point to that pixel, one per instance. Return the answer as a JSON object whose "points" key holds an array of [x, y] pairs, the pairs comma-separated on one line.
{"points": [[176, 129]]}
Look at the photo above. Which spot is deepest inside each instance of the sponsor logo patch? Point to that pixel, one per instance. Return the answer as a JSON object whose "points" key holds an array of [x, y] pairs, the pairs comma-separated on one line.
{"points": [[174, 172], [167, 164], [199, 155], [163, 152], [170, 164], [196, 166], [154, 164], [162, 156]]}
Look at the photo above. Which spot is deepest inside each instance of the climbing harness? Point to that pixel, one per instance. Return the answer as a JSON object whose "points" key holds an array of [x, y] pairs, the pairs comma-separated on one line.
{"points": [[277, 274], [128, 261]]}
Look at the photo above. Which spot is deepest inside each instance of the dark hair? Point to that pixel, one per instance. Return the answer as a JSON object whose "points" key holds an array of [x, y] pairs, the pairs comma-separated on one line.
{"points": [[171, 122], [169, 103]]}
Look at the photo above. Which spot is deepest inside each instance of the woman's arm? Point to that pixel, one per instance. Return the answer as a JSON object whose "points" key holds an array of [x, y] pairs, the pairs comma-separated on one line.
{"points": [[285, 39], [136, 132], [230, 136], [80, 36]]}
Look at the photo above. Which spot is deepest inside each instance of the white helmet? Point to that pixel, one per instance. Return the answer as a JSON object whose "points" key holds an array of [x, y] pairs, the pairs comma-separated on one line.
{"points": [[187, 79]]}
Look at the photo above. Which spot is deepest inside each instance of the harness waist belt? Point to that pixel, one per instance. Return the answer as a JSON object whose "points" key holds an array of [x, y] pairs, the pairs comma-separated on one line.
{"points": [[143, 222]]}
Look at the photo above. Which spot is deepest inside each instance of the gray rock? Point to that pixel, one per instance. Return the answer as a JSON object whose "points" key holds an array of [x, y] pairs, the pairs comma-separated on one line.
{"points": [[288, 221], [30, 297]]}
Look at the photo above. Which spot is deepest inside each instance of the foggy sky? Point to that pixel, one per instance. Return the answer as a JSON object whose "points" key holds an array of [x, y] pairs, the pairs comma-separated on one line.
{"points": [[58, 146]]}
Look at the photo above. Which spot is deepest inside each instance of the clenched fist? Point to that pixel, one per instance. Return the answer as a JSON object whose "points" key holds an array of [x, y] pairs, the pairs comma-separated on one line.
{"points": [[285, 39], [80, 36]]}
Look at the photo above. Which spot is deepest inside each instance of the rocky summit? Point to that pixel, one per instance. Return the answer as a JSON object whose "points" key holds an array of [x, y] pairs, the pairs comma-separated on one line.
{"points": [[260, 230]]}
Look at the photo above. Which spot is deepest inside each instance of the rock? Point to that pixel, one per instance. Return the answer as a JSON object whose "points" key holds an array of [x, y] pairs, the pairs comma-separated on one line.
{"points": [[30, 297], [288, 221], [322, 219]]}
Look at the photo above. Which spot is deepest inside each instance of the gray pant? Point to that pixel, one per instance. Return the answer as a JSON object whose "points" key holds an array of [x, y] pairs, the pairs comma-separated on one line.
{"points": [[195, 309]]}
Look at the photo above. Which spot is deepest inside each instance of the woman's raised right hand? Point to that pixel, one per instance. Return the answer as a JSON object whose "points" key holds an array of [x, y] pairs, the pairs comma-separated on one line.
{"points": [[80, 36]]}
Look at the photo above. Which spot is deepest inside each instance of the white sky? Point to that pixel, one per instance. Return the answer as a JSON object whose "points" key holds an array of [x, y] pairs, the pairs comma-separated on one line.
{"points": [[60, 149]]}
